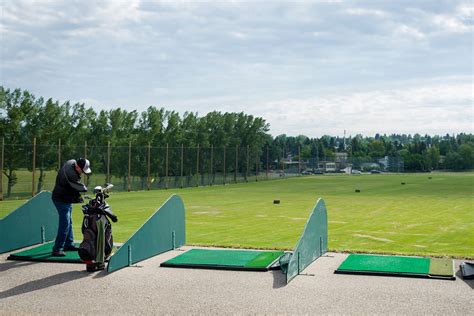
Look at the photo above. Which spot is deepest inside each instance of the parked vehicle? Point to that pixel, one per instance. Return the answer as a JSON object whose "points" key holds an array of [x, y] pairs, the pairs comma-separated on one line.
{"points": [[375, 171], [354, 171]]}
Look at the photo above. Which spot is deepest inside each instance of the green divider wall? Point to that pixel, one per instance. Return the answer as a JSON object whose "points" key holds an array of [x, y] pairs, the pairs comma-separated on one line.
{"points": [[313, 242], [34, 222], [163, 231]]}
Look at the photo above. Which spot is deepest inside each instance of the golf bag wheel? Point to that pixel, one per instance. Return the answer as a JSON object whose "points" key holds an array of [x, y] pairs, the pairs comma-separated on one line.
{"points": [[96, 266]]}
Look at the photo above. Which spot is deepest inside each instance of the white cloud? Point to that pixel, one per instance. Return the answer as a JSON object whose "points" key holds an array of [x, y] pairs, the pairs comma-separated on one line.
{"points": [[287, 57], [435, 108], [366, 12], [451, 24], [405, 30]]}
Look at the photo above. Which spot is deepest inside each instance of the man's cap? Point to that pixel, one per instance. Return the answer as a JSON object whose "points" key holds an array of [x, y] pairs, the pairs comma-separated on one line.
{"points": [[85, 165]]}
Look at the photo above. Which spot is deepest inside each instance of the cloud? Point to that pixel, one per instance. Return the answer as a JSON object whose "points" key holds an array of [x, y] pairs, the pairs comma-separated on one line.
{"points": [[330, 57], [366, 12], [404, 30], [433, 108]]}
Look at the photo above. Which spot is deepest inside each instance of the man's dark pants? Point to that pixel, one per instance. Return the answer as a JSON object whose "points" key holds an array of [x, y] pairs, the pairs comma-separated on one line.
{"points": [[65, 237]]}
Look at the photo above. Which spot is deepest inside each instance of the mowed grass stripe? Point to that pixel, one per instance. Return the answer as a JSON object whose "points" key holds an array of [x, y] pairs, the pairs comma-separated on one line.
{"points": [[423, 217]]}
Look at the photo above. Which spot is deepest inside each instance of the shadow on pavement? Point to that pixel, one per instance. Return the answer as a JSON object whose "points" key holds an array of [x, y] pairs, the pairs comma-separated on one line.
{"points": [[468, 282], [14, 264], [279, 279], [40, 284]]}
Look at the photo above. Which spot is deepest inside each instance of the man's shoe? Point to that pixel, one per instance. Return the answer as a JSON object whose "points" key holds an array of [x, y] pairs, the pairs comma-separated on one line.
{"points": [[71, 248], [59, 253]]}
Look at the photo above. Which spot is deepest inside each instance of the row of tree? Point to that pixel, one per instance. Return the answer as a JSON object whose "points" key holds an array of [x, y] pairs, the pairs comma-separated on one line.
{"points": [[24, 117], [419, 153]]}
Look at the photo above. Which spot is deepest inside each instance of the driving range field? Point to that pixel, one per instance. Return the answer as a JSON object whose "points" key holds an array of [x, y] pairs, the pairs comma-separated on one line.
{"points": [[429, 215]]}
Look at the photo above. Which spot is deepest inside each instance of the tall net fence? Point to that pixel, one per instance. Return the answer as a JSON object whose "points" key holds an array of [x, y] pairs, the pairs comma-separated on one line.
{"points": [[31, 168]]}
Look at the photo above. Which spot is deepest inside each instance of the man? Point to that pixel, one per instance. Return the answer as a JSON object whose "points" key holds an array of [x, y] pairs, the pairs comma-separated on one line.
{"points": [[67, 191]]}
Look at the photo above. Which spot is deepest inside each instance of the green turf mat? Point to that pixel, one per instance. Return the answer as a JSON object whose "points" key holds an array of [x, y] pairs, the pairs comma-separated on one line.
{"points": [[356, 263], [225, 259], [43, 253], [442, 267]]}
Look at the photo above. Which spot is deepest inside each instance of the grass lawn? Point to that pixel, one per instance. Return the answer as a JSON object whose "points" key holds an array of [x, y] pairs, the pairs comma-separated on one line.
{"points": [[423, 217]]}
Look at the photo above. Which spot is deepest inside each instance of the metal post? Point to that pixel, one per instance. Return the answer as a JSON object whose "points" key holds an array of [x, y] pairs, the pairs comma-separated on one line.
{"points": [[1, 168], [299, 160], [33, 168], [166, 167], [85, 157], [173, 239], [247, 169], [256, 166], [129, 165], [197, 166], [43, 234], [59, 154], [148, 167], [224, 168], [266, 173], [130, 255], [182, 164], [212, 161], [236, 162], [108, 162]]}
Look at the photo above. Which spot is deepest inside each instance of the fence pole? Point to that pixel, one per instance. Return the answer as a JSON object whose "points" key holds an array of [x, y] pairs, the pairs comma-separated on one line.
{"points": [[1, 168], [167, 156], [197, 166], [129, 165], [108, 162], [299, 160], [33, 168], [59, 154], [266, 173], [148, 168], [236, 162], [256, 166], [247, 169], [182, 164], [224, 168], [85, 157], [212, 161]]}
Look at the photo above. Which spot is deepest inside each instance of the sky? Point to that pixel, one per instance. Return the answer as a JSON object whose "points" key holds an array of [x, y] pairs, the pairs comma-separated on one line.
{"points": [[307, 67]]}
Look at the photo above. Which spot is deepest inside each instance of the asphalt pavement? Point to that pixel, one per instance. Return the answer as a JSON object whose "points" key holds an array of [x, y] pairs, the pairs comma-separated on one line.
{"points": [[147, 288]]}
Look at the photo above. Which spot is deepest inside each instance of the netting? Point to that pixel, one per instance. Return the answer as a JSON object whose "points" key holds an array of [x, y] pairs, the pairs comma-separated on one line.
{"points": [[131, 168]]}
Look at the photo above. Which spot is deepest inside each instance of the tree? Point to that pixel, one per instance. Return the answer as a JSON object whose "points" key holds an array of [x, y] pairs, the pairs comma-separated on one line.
{"points": [[15, 107]]}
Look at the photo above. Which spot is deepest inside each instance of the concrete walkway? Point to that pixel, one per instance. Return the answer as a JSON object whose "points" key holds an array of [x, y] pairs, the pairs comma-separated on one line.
{"points": [[55, 288]]}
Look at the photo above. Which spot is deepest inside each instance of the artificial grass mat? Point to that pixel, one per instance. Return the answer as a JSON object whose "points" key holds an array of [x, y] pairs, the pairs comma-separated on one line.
{"points": [[225, 259], [43, 253], [441, 267], [397, 265]]}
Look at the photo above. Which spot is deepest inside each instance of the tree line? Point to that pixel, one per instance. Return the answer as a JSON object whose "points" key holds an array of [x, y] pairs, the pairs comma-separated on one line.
{"points": [[24, 117]]}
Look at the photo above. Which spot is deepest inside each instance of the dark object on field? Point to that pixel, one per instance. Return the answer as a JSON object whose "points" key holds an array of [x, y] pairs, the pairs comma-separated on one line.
{"points": [[467, 270], [375, 171], [276, 201], [357, 191], [403, 183], [430, 178]]}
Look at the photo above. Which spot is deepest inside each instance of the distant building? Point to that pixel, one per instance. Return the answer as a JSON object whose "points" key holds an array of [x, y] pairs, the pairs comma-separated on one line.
{"points": [[327, 166], [341, 157]]}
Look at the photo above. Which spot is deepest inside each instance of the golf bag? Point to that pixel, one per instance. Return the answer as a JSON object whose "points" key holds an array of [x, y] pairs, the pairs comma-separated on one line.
{"points": [[97, 242]]}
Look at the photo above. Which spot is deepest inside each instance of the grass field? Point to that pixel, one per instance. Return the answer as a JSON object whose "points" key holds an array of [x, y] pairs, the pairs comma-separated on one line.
{"points": [[423, 217]]}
